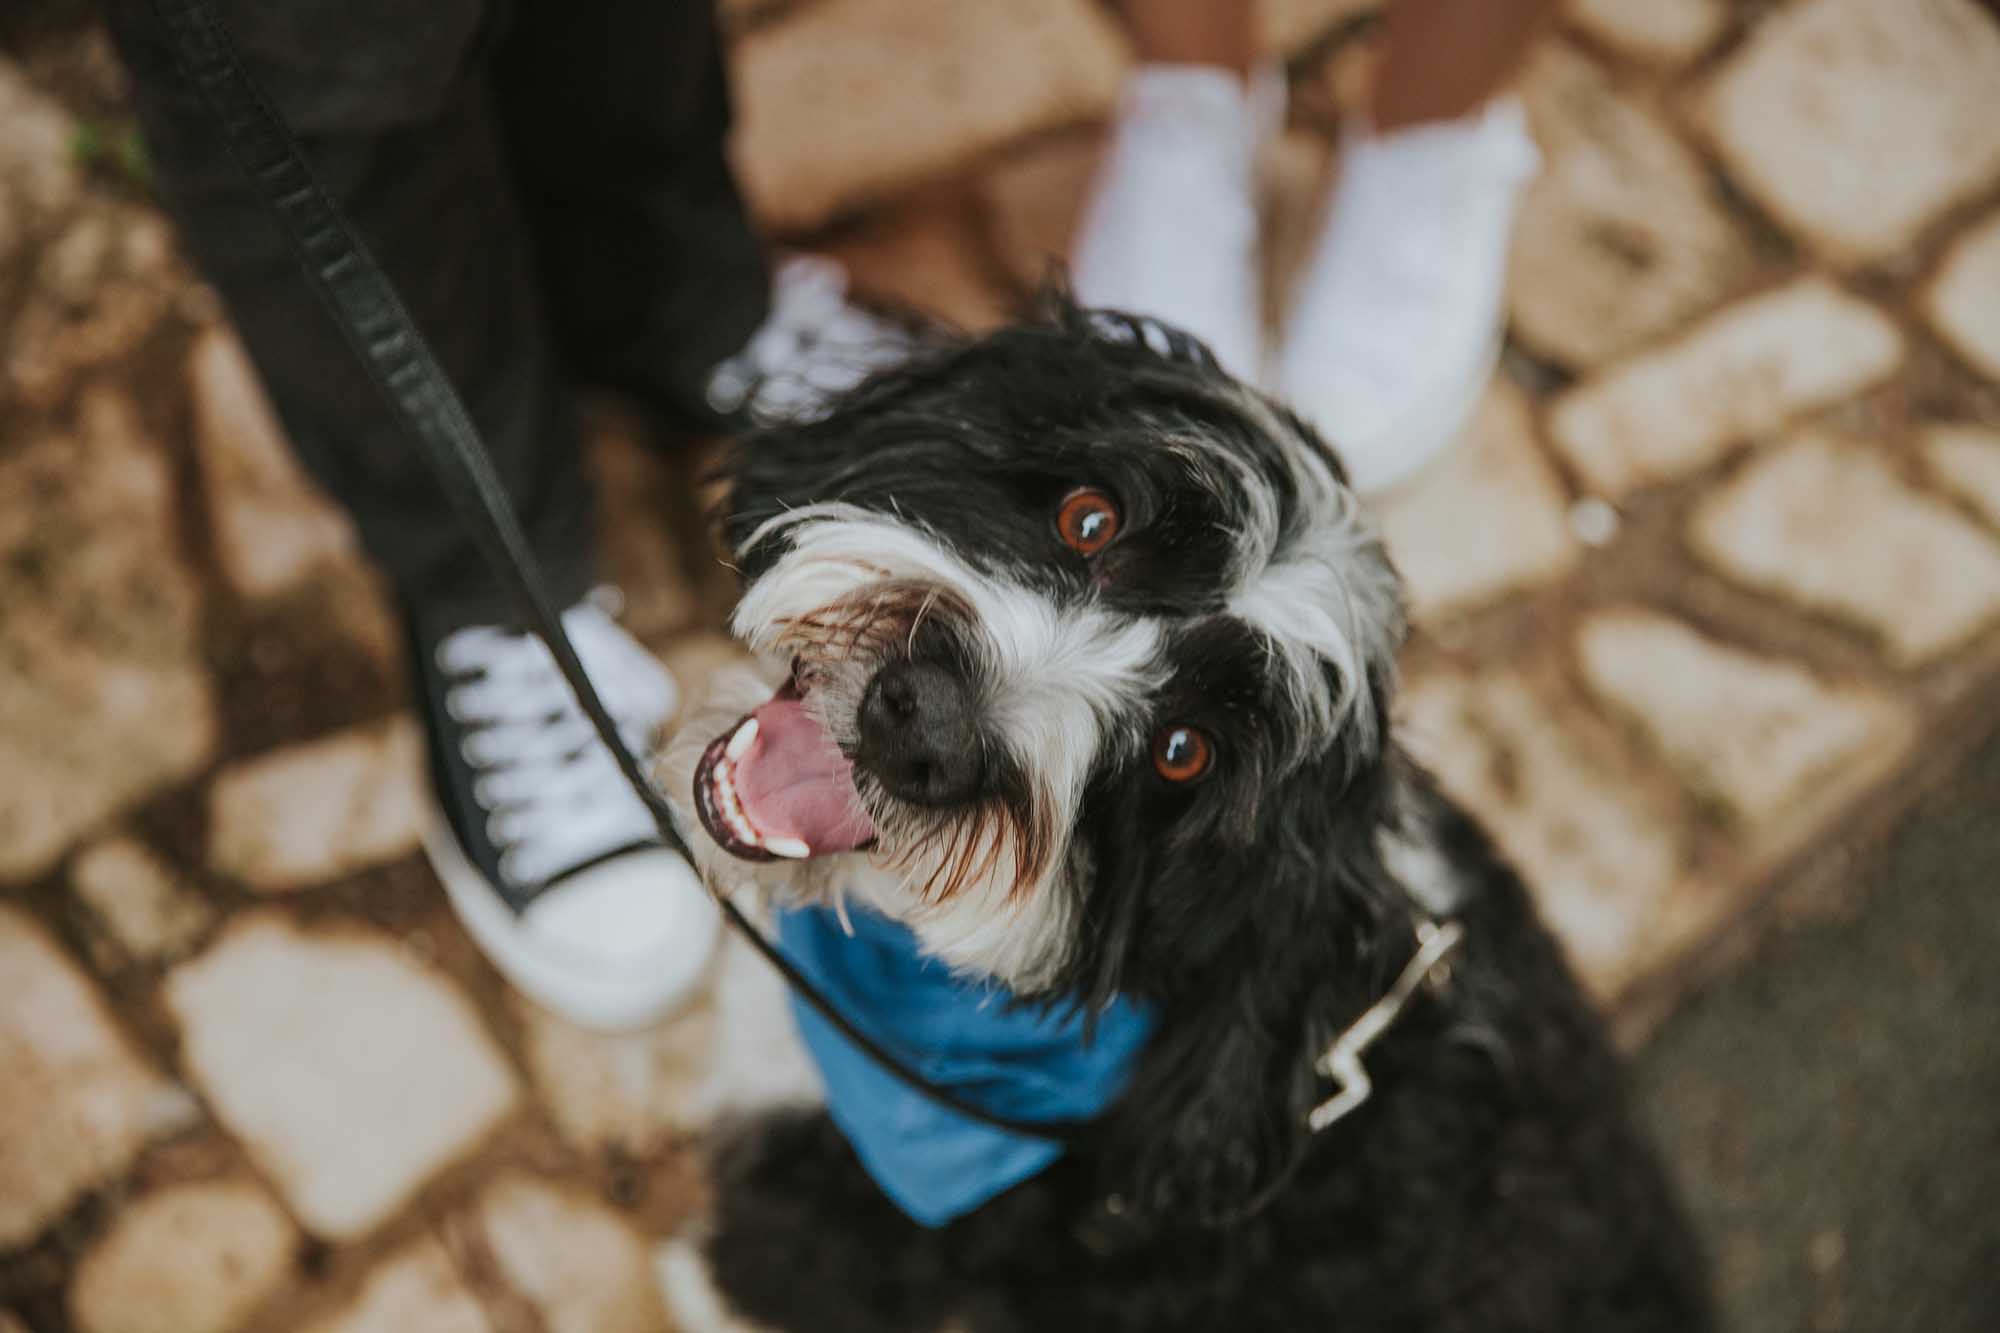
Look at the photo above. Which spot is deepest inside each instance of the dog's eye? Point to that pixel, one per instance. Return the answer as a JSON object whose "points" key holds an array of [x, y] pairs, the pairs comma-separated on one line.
{"points": [[1087, 521], [1181, 754]]}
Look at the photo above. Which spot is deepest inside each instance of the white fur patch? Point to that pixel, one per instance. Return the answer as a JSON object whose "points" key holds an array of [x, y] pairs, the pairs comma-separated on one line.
{"points": [[1320, 596], [1424, 871], [1058, 683]]}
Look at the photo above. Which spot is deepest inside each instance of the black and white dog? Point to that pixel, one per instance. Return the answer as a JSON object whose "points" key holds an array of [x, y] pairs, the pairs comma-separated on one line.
{"points": [[1090, 657]]}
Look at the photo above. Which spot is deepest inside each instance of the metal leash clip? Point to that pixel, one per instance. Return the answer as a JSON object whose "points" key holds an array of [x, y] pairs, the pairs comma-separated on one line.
{"points": [[1342, 1061]]}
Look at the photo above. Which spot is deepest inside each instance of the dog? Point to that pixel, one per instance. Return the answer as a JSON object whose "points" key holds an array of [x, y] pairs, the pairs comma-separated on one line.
{"points": [[1087, 658]]}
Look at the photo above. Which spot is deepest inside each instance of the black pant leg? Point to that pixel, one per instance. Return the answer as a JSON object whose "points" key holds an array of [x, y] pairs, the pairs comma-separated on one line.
{"points": [[393, 102], [618, 113]]}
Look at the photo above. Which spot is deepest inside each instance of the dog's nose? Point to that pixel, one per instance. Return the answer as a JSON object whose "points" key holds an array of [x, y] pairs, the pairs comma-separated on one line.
{"points": [[919, 734]]}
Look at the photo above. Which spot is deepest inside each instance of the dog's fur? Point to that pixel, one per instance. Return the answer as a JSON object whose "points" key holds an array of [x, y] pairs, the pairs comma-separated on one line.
{"points": [[1494, 1181]]}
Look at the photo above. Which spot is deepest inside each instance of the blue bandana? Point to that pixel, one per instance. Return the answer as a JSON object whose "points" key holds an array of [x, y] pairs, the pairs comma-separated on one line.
{"points": [[1028, 1062]]}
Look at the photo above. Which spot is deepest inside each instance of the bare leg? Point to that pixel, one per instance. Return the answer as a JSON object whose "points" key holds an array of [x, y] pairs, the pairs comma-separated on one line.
{"points": [[1445, 58], [1396, 323], [1194, 32], [1169, 228]]}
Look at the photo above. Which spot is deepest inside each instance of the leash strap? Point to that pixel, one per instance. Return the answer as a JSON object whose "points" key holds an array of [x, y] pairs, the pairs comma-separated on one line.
{"points": [[373, 321]]}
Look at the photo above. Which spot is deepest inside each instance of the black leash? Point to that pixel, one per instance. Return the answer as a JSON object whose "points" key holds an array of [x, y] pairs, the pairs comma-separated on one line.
{"points": [[372, 319]]}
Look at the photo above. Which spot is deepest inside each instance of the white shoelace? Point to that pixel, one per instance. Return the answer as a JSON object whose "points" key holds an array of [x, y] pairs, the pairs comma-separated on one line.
{"points": [[814, 344], [554, 796]]}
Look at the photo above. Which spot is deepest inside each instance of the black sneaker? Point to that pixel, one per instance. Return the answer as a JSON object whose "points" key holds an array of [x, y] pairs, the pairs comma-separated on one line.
{"points": [[550, 859]]}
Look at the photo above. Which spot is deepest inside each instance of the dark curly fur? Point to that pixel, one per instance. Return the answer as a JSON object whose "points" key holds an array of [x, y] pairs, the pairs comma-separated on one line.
{"points": [[1495, 1181]]}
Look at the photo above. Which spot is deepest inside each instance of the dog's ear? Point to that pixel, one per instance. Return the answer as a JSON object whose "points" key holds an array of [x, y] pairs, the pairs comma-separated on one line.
{"points": [[1215, 1119]]}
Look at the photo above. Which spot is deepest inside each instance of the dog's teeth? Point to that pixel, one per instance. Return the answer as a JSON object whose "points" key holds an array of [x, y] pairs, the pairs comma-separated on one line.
{"points": [[731, 806], [740, 743], [790, 848], [741, 826], [731, 809]]}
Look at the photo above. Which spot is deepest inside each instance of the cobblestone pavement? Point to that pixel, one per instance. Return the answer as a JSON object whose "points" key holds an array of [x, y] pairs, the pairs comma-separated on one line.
{"points": [[1709, 593]]}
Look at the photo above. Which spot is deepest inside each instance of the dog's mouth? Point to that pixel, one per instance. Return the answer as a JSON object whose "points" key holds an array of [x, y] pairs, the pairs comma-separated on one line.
{"points": [[776, 785]]}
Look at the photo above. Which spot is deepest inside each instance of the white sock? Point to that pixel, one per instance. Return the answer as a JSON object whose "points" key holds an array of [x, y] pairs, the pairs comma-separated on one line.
{"points": [[1171, 225], [1397, 320]]}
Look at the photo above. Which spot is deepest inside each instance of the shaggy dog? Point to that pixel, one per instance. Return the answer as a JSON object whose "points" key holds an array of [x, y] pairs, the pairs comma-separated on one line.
{"points": [[1088, 659]]}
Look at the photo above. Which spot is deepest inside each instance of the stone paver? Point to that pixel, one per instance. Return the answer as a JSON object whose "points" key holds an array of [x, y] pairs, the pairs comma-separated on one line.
{"points": [[1620, 238], [1291, 24], [1298, 172], [350, 1072], [416, 1290], [105, 698], [1826, 523], [631, 1093], [1661, 32], [1963, 302], [635, 536], [1857, 122], [624, 1091], [578, 1263], [101, 278], [1743, 372], [187, 1259], [272, 528], [929, 257], [853, 97], [145, 906], [1601, 856], [1749, 732], [1967, 460], [1032, 200], [320, 810], [1485, 520], [76, 1105], [100, 274], [39, 181]]}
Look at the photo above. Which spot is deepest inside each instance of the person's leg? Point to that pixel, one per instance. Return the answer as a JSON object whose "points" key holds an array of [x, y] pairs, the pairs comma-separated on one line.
{"points": [[1397, 320], [1222, 33], [618, 113], [1170, 228], [1445, 59], [392, 106], [550, 860]]}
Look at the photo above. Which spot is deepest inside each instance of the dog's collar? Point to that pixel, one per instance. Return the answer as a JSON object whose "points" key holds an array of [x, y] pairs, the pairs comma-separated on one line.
{"points": [[1431, 963]]}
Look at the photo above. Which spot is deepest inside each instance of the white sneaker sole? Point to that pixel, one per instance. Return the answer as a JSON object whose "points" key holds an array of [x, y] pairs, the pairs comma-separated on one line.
{"points": [[601, 998]]}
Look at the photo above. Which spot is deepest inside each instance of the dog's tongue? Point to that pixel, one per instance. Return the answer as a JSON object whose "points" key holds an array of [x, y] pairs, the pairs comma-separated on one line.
{"points": [[794, 781]]}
